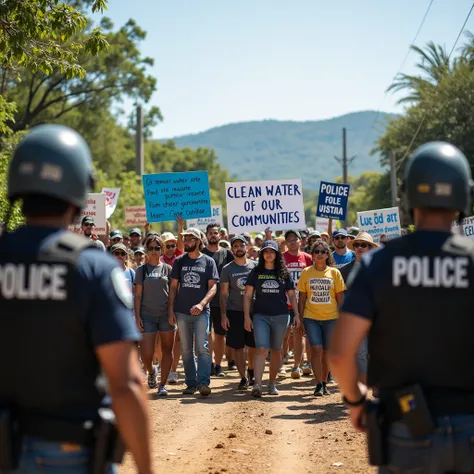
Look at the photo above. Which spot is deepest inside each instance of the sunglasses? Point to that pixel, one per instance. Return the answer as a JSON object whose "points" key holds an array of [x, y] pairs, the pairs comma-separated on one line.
{"points": [[88, 225], [339, 237], [154, 249], [320, 252], [170, 246], [121, 254], [362, 245]]}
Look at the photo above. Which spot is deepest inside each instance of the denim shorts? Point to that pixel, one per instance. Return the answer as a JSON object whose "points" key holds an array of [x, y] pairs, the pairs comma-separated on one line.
{"points": [[319, 332], [269, 331], [153, 324]]}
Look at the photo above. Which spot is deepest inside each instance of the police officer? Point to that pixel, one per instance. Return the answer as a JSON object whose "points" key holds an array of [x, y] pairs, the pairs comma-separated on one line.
{"points": [[414, 298], [69, 306]]}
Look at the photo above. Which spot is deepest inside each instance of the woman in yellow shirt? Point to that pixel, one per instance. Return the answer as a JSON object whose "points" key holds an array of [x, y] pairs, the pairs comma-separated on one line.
{"points": [[321, 291]]}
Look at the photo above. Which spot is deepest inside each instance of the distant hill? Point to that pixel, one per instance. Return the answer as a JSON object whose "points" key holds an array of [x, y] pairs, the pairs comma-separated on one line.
{"points": [[272, 149]]}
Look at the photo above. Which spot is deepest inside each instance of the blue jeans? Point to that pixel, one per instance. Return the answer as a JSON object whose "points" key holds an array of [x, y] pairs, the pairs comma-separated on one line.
{"points": [[319, 331], [362, 355], [269, 331], [46, 457], [450, 449], [198, 327]]}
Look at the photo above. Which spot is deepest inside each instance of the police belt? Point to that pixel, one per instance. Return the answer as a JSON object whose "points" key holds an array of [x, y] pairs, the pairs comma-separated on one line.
{"points": [[60, 431], [441, 402]]}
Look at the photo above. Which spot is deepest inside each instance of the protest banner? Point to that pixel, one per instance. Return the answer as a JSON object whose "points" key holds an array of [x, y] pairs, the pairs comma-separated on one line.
{"points": [[380, 222], [169, 195], [202, 222], [253, 206], [467, 227], [322, 224], [332, 200], [96, 209], [111, 200], [135, 216]]}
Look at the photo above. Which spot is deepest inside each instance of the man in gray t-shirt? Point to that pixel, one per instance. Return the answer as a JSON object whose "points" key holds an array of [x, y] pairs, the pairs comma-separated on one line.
{"points": [[232, 288]]}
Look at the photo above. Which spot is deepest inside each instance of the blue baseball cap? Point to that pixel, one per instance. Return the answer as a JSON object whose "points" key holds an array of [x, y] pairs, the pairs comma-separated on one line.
{"points": [[342, 232], [238, 237], [270, 244], [116, 234]]}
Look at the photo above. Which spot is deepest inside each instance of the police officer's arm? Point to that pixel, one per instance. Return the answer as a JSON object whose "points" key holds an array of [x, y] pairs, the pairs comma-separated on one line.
{"points": [[352, 326]]}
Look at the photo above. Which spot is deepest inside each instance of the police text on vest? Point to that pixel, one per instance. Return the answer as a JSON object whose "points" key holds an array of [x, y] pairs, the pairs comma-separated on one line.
{"points": [[431, 272], [33, 282]]}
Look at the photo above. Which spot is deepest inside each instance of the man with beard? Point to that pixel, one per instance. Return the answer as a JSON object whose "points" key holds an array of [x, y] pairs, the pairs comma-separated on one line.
{"points": [[222, 257], [193, 285], [342, 255], [232, 289], [87, 225]]}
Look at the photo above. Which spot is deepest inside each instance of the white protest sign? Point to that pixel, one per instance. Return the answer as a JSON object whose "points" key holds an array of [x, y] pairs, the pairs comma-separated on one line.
{"points": [[135, 216], [380, 222], [111, 200], [95, 208], [467, 227], [202, 222], [252, 206]]}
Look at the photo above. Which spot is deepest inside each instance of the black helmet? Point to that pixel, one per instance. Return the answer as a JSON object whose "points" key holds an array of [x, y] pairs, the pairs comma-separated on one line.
{"points": [[438, 176], [52, 160]]}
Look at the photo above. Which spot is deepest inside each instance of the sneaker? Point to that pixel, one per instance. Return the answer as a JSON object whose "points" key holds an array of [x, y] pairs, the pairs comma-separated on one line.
{"points": [[325, 390], [296, 373], [307, 369], [330, 378], [251, 377], [219, 372], [189, 390], [213, 369], [272, 390], [318, 391], [162, 392], [282, 372], [205, 390], [173, 378], [232, 365], [152, 378], [243, 385], [257, 391]]}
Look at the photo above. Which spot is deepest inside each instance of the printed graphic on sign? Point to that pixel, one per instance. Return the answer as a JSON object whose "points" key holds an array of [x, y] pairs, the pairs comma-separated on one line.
{"points": [[320, 290], [255, 205], [96, 209], [332, 200], [111, 200], [381, 223], [135, 216], [467, 227], [202, 222], [169, 195]]}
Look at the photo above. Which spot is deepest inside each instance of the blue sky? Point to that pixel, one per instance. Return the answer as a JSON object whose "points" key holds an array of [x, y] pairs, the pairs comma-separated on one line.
{"points": [[223, 61]]}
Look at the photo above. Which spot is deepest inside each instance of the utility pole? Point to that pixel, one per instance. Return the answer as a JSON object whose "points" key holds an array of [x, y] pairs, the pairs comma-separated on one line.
{"points": [[393, 178], [345, 162], [140, 161]]}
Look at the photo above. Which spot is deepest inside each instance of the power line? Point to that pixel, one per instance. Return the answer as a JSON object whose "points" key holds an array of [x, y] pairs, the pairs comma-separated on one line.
{"points": [[398, 72], [435, 87]]}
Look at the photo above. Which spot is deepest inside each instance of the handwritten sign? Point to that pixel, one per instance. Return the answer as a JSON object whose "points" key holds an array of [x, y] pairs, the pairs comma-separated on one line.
{"points": [[111, 200], [135, 216], [169, 195], [332, 200], [467, 227], [202, 222], [96, 209], [380, 222], [256, 205]]}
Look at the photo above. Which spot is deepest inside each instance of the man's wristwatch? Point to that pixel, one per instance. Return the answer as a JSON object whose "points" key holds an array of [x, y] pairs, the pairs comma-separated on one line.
{"points": [[358, 403]]}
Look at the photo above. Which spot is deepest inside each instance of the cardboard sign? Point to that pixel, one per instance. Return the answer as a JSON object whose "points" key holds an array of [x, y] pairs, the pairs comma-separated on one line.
{"points": [[252, 206], [135, 216], [203, 222], [169, 195], [95, 208], [467, 227], [380, 222], [332, 200], [111, 200]]}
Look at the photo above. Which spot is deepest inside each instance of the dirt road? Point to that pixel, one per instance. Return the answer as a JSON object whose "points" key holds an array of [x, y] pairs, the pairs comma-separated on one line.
{"points": [[231, 432]]}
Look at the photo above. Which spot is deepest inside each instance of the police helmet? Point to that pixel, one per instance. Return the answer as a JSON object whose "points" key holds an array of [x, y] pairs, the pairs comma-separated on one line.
{"points": [[52, 160], [438, 176]]}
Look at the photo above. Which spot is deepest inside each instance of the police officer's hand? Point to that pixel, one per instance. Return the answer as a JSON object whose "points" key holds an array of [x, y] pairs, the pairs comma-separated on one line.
{"points": [[357, 415], [140, 323], [172, 318], [297, 321], [225, 323], [197, 309]]}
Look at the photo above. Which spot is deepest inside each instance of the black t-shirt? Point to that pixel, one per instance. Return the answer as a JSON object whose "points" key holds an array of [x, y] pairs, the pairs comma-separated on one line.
{"points": [[270, 292], [222, 257]]}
